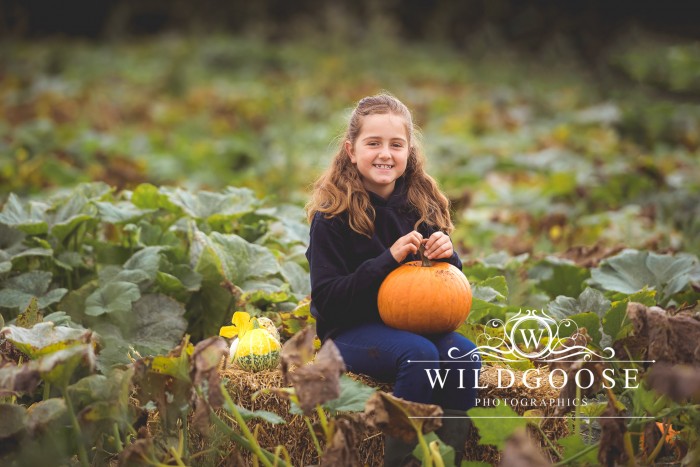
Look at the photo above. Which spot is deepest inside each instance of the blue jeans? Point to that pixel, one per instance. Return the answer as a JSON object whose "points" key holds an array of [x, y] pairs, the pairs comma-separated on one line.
{"points": [[390, 355]]}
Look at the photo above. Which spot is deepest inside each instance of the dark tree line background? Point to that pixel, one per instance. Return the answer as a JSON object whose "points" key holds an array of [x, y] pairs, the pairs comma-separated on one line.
{"points": [[527, 24]]}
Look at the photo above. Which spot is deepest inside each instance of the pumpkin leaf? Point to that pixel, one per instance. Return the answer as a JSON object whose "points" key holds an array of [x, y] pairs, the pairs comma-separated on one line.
{"points": [[520, 446], [632, 271], [13, 421], [147, 260], [154, 325], [353, 396], [297, 319], [297, 278], [148, 197], [559, 277], [318, 382], [30, 316], [15, 380], [492, 290], [120, 212], [18, 291], [70, 213], [204, 371], [112, 297], [497, 424], [44, 338], [232, 258], [615, 322], [30, 218], [264, 415], [400, 418], [43, 415], [210, 206], [588, 320], [59, 367]]}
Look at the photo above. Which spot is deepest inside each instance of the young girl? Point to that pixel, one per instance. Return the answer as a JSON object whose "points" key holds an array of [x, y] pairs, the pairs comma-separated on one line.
{"points": [[369, 213]]}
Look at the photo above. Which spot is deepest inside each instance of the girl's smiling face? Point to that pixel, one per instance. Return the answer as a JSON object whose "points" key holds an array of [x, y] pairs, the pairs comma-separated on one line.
{"points": [[380, 152]]}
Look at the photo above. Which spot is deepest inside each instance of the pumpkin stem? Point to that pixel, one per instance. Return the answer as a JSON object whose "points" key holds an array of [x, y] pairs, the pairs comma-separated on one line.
{"points": [[425, 262]]}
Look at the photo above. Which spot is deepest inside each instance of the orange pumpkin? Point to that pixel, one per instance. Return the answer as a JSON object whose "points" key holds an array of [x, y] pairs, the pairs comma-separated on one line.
{"points": [[425, 297]]}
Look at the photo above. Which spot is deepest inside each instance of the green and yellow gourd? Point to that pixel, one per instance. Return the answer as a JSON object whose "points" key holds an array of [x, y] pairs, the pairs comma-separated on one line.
{"points": [[257, 350], [255, 346]]}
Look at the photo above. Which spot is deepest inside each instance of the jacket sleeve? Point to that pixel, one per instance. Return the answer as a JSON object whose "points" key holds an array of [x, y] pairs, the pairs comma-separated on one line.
{"points": [[342, 296]]}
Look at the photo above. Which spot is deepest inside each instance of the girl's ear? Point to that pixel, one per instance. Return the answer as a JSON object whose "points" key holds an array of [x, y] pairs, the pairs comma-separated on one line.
{"points": [[349, 150]]}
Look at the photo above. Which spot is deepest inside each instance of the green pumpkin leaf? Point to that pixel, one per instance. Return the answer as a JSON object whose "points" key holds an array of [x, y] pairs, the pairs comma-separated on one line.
{"points": [[30, 217], [30, 316], [147, 196], [112, 297], [158, 324], [353, 396], [590, 300], [231, 257], [589, 320], [13, 420], [44, 338], [573, 444], [632, 270], [263, 415], [559, 277], [496, 424], [207, 205], [18, 291], [154, 324], [70, 213], [615, 323], [297, 277], [43, 415], [59, 367], [120, 212], [297, 319], [146, 260]]}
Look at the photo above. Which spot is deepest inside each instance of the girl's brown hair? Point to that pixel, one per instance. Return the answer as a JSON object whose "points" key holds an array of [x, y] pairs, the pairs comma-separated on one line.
{"points": [[340, 188]]}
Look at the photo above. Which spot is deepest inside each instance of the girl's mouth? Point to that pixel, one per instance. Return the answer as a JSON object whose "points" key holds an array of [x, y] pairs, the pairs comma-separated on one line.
{"points": [[383, 166]]}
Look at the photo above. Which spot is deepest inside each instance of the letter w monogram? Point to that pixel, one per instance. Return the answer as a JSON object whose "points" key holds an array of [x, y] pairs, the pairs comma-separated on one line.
{"points": [[532, 341]]}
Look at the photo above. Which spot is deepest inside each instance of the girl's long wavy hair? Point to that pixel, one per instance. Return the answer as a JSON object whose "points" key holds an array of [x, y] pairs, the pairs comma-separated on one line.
{"points": [[340, 188]]}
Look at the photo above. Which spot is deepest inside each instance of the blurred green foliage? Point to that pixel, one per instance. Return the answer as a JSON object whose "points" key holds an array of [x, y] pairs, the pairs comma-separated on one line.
{"points": [[536, 155]]}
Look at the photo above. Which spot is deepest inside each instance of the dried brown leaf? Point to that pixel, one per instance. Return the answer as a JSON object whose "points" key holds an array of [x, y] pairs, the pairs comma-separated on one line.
{"points": [[319, 381], [342, 449], [19, 379], [297, 351], [668, 338], [612, 437], [204, 372], [392, 415], [137, 453], [679, 382], [520, 451]]}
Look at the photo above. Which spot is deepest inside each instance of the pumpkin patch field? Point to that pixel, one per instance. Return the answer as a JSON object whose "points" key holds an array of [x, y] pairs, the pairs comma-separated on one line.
{"points": [[154, 289]]}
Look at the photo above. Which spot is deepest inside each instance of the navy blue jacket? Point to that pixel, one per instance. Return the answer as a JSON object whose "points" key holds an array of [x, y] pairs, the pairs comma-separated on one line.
{"points": [[347, 268]]}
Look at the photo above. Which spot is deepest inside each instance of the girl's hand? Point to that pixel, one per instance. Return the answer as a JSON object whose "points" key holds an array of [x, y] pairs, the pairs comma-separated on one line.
{"points": [[409, 243], [438, 246]]}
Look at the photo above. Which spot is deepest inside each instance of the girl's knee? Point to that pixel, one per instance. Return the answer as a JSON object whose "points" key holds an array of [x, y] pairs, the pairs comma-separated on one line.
{"points": [[421, 350]]}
